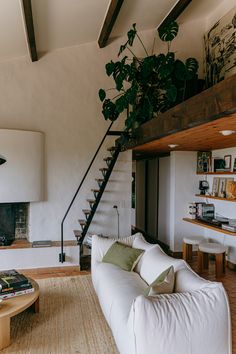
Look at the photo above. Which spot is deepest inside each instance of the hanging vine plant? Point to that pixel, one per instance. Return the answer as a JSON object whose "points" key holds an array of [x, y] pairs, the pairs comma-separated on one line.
{"points": [[148, 86]]}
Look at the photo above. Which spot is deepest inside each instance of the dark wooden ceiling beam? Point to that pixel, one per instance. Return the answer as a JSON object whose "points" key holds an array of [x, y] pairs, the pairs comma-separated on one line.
{"points": [[176, 11], [108, 24], [29, 28]]}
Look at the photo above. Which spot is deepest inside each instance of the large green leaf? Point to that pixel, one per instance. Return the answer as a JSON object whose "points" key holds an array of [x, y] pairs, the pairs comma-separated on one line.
{"points": [[121, 103], [171, 93], [192, 67], [109, 110], [181, 72], [131, 34], [102, 95], [110, 67], [169, 31]]}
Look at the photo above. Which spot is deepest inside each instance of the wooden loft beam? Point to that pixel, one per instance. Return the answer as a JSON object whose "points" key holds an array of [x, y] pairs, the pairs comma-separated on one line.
{"points": [[175, 12], [108, 24], [29, 28]]}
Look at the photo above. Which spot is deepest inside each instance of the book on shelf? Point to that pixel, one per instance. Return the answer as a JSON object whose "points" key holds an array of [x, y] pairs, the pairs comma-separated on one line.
{"points": [[42, 243], [12, 280], [16, 293]]}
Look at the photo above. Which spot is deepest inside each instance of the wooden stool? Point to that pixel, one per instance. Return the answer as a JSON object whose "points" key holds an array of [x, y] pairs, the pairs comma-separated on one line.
{"points": [[212, 248], [188, 243]]}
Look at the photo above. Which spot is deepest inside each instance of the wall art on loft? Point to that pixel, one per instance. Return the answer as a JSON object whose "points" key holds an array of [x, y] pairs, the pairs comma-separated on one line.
{"points": [[220, 54]]}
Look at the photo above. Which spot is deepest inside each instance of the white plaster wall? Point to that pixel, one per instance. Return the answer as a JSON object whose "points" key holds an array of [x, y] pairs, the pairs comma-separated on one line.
{"points": [[21, 177], [58, 96], [219, 11], [178, 185]]}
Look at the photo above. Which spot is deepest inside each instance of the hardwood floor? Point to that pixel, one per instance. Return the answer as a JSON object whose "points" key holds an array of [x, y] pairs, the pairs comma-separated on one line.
{"points": [[42, 273], [229, 282]]}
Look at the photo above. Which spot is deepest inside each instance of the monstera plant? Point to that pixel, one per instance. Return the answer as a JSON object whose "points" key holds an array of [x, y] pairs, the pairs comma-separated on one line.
{"points": [[146, 86]]}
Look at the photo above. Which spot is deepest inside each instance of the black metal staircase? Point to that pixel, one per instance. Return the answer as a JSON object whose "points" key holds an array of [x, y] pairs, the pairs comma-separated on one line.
{"points": [[93, 203], [97, 193]]}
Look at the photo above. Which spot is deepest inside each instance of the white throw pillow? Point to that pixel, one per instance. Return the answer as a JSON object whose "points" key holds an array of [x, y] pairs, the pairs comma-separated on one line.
{"points": [[155, 261], [164, 284]]}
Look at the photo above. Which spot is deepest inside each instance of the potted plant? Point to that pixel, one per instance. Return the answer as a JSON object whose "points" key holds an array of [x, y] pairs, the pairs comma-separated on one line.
{"points": [[146, 86]]}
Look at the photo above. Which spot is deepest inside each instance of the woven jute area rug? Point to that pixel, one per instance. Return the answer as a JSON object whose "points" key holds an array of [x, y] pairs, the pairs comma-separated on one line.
{"points": [[70, 321]]}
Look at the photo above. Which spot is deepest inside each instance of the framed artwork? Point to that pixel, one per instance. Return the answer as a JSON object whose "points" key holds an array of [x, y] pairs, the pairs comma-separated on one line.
{"points": [[220, 54], [215, 186], [228, 161], [203, 161], [222, 188]]}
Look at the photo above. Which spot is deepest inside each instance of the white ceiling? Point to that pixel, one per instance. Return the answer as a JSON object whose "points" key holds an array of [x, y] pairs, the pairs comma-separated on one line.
{"points": [[64, 23]]}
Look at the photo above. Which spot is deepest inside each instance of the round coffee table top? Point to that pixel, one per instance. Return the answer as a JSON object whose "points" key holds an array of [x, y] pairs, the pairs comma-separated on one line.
{"points": [[12, 306]]}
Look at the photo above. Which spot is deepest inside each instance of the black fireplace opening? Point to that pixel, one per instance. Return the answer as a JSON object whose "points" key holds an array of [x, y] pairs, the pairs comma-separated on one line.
{"points": [[13, 222]]}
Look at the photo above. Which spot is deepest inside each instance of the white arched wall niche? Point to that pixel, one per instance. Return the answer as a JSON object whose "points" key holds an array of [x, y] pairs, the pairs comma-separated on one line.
{"points": [[21, 176]]}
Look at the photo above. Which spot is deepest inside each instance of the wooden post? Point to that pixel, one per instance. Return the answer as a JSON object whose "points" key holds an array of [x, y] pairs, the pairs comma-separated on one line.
{"points": [[4, 332]]}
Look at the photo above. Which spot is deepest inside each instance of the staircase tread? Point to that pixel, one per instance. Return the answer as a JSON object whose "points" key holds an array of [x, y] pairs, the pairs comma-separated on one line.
{"points": [[82, 222], [91, 201], [103, 169], [112, 148], [99, 179], [108, 158], [86, 211], [77, 233], [95, 190]]}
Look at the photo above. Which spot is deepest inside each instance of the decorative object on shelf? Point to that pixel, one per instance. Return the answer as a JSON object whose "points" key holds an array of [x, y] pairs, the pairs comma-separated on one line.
{"points": [[218, 164], [203, 161], [145, 87], [215, 186], [222, 188], [231, 189], [205, 211], [192, 210], [228, 162], [228, 180], [220, 49], [203, 187]]}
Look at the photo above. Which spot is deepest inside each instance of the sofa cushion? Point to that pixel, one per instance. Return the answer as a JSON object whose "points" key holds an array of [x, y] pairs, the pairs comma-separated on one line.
{"points": [[123, 256], [187, 280], [155, 261], [163, 284]]}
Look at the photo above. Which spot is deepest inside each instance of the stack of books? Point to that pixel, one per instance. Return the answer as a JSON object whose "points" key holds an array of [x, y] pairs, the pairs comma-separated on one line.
{"points": [[13, 284]]}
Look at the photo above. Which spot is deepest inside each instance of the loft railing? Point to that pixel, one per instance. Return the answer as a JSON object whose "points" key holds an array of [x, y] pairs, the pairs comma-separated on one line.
{"points": [[108, 132]]}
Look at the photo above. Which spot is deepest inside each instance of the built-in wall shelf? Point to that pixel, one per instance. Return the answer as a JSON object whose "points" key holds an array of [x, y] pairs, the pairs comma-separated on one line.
{"points": [[218, 198], [209, 226], [22, 243], [217, 173]]}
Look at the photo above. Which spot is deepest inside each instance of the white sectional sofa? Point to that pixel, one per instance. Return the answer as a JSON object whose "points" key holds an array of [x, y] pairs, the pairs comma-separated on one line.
{"points": [[195, 319]]}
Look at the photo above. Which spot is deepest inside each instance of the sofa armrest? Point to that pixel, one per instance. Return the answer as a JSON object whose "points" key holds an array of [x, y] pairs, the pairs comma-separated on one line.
{"points": [[194, 322]]}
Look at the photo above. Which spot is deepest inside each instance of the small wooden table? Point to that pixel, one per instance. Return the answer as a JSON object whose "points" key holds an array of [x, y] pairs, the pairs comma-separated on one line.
{"points": [[13, 306]]}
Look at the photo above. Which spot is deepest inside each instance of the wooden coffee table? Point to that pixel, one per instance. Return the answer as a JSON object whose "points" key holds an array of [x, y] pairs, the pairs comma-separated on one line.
{"points": [[13, 306]]}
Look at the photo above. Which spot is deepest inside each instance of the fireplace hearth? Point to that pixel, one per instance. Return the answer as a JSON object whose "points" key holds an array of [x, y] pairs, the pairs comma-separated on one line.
{"points": [[13, 222]]}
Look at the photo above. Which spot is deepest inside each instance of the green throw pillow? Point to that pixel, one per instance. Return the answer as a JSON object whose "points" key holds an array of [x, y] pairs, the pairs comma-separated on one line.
{"points": [[164, 283], [123, 256]]}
